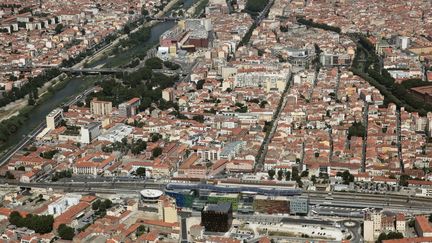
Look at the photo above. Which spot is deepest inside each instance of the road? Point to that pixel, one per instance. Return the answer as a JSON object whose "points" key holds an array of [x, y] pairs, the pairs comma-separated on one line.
{"points": [[365, 138], [399, 139], [184, 233], [269, 136]]}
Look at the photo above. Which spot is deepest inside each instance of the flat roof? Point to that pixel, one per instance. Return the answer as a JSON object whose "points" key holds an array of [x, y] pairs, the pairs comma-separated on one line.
{"points": [[151, 193], [220, 207]]}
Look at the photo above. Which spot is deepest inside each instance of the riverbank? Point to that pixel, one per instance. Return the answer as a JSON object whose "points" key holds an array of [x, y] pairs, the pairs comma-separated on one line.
{"points": [[62, 91], [14, 108], [14, 129], [108, 51]]}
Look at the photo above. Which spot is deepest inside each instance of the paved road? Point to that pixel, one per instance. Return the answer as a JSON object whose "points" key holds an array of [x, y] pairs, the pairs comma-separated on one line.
{"points": [[184, 234], [364, 145], [399, 138], [276, 117]]}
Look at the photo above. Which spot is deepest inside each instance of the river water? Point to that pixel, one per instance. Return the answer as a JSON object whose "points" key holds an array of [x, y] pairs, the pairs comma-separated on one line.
{"points": [[79, 84]]}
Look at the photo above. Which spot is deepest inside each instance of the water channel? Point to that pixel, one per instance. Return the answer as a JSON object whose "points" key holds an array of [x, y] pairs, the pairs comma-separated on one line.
{"points": [[79, 84]]}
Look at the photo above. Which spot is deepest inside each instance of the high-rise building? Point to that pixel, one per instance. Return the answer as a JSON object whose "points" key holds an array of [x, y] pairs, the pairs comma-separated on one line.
{"points": [[90, 131], [129, 108], [217, 217], [54, 118], [98, 107]]}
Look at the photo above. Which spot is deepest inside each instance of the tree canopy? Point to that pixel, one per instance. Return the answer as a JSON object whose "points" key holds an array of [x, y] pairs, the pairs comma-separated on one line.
{"points": [[41, 224], [256, 5], [65, 232]]}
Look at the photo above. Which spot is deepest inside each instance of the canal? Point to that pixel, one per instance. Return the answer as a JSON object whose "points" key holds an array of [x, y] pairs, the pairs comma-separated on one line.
{"points": [[79, 84]]}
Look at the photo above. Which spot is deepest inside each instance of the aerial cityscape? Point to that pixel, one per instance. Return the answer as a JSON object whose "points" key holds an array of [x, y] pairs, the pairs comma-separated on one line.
{"points": [[216, 121]]}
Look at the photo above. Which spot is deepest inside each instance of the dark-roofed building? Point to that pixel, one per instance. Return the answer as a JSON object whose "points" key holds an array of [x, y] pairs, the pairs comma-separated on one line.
{"points": [[217, 217]]}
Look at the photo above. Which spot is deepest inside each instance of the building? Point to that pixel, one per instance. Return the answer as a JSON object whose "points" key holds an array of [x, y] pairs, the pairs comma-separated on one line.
{"points": [[116, 133], [368, 230], [90, 131], [217, 217], [376, 222], [423, 92], [410, 240], [61, 205], [299, 205], [150, 196], [129, 108], [102, 108], [271, 81], [402, 42], [93, 164], [168, 94], [54, 118], [422, 226], [271, 205], [400, 223], [167, 210], [219, 198]]}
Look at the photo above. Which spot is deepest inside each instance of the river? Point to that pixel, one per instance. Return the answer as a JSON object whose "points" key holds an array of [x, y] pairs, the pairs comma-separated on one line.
{"points": [[78, 84]]}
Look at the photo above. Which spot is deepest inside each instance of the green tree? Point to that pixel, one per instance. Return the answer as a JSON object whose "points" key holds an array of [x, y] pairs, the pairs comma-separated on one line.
{"points": [[256, 5], [59, 28], [40, 224], [154, 63], [156, 152], [9, 175], [313, 179], [304, 173], [271, 174], [65, 232], [357, 130], [15, 218], [107, 203], [141, 171], [198, 118], [140, 230], [280, 174], [200, 84], [126, 29], [347, 177], [403, 180], [287, 175], [138, 146], [295, 173], [96, 204], [389, 236]]}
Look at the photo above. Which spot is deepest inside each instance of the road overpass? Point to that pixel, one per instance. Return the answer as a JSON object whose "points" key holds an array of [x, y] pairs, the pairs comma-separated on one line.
{"points": [[93, 70]]}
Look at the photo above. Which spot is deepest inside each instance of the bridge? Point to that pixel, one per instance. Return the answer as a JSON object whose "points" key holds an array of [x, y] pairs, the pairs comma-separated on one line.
{"points": [[164, 18], [93, 70]]}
